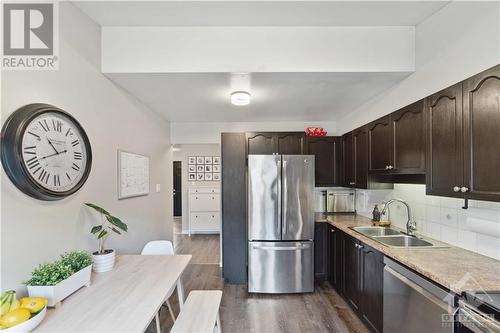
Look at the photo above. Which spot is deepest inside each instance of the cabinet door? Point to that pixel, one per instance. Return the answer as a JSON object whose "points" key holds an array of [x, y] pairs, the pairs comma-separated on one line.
{"points": [[347, 160], [444, 142], [290, 143], [351, 271], [360, 152], [372, 287], [326, 151], [321, 251], [482, 135], [408, 139], [379, 146], [335, 267], [261, 143]]}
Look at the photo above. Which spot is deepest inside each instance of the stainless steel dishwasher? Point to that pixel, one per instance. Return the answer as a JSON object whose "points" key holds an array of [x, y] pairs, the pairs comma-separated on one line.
{"points": [[414, 304]]}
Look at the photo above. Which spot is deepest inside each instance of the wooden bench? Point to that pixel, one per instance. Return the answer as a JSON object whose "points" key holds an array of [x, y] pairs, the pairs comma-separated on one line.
{"points": [[200, 313]]}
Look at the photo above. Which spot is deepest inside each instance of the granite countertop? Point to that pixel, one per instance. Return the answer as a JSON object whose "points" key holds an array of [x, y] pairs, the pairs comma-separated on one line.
{"points": [[452, 267]]}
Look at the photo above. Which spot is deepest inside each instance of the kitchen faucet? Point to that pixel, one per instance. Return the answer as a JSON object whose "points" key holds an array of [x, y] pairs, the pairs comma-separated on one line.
{"points": [[411, 225]]}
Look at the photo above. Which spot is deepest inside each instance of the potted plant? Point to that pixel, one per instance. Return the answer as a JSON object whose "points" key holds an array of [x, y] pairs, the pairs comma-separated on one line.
{"points": [[59, 279], [104, 259]]}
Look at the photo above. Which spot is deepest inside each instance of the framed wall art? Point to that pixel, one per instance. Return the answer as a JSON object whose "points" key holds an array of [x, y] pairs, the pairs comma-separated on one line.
{"points": [[204, 168]]}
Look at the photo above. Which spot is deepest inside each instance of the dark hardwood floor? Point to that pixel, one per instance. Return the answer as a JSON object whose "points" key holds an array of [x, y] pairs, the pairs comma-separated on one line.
{"points": [[322, 311]]}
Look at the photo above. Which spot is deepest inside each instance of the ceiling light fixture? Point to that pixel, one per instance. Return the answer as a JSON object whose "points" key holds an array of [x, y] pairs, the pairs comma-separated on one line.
{"points": [[240, 98]]}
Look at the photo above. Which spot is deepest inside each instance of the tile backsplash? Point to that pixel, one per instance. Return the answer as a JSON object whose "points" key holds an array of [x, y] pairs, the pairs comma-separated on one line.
{"points": [[476, 229]]}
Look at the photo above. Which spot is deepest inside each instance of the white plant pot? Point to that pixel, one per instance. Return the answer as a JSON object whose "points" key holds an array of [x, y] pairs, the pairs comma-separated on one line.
{"points": [[104, 262], [63, 289]]}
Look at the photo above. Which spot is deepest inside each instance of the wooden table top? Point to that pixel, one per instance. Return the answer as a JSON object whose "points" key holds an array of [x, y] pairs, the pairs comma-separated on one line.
{"points": [[125, 299]]}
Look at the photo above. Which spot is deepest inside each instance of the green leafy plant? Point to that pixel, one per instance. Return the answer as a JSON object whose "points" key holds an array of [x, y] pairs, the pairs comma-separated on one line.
{"points": [[50, 274], [77, 260], [109, 223]]}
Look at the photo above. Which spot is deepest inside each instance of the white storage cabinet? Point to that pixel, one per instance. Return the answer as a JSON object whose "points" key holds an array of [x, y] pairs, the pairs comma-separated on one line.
{"points": [[204, 210]]}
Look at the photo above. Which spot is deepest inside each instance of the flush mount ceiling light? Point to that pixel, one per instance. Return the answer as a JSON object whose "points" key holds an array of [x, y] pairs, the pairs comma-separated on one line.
{"points": [[240, 98]]}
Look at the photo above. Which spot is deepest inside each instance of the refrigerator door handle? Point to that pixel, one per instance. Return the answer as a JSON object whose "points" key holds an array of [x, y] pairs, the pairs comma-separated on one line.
{"points": [[282, 248], [285, 190], [278, 195]]}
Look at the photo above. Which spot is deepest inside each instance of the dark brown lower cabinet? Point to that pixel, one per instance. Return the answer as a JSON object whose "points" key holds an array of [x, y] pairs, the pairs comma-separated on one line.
{"points": [[352, 286], [336, 258], [321, 250], [356, 271], [372, 286]]}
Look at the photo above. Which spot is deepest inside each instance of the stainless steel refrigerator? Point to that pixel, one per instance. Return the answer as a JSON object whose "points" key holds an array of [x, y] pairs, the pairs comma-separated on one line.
{"points": [[280, 223]]}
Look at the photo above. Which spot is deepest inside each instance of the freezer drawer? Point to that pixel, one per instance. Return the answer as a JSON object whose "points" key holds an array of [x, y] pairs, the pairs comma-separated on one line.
{"points": [[280, 267]]}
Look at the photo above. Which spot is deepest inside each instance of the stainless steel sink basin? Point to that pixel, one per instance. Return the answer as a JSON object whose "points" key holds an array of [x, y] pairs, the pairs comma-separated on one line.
{"points": [[376, 231], [402, 241], [396, 238]]}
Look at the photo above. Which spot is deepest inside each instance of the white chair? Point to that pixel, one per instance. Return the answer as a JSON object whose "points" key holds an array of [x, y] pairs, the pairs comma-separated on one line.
{"points": [[161, 247]]}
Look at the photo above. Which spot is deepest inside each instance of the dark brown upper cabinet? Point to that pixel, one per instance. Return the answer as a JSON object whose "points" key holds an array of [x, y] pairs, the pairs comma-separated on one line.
{"points": [[261, 143], [396, 143], [267, 143], [360, 157], [444, 142], [379, 145], [481, 121], [355, 161], [291, 143], [347, 160], [408, 140], [327, 153]]}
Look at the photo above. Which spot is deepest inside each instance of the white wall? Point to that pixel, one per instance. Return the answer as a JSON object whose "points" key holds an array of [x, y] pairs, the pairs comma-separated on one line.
{"points": [[476, 229], [460, 40], [258, 49], [182, 154], [202, 132], [34, 231]]}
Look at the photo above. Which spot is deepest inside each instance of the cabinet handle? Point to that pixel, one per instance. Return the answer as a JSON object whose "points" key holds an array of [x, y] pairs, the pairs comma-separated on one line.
{"points": [[464, 189], [387, 167], [456, 189], [391, 167], [332, 231], [352, 183]]}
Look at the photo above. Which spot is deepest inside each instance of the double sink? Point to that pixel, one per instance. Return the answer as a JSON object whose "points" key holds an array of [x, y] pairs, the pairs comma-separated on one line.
{"points": [[394, 237]]}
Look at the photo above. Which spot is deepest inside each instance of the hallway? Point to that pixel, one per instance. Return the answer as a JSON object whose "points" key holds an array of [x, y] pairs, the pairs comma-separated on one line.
{"points": [[322, 311]]}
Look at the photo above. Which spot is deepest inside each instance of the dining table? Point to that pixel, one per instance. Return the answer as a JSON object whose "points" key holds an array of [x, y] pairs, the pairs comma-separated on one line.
{"points": [[125, 299]]}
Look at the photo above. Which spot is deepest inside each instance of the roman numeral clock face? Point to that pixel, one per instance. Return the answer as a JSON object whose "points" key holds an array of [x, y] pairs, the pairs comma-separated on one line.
{"points": [[45, 151], [53, 152]]}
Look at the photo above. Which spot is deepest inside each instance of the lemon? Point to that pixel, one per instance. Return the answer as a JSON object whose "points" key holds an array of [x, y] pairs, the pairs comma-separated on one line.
{"points": [[33, 304], [15, 317]]}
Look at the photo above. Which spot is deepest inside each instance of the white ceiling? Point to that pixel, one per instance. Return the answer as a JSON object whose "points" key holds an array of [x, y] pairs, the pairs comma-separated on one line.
{"points": [[259, 13], [204, 97]]}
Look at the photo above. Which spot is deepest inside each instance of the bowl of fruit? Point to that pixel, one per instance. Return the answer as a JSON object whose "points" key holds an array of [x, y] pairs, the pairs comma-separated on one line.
{"points": [[21, 315]]}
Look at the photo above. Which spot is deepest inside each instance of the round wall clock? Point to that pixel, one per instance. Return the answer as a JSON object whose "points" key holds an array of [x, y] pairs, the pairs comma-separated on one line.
{"points": [[45, 152]]}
